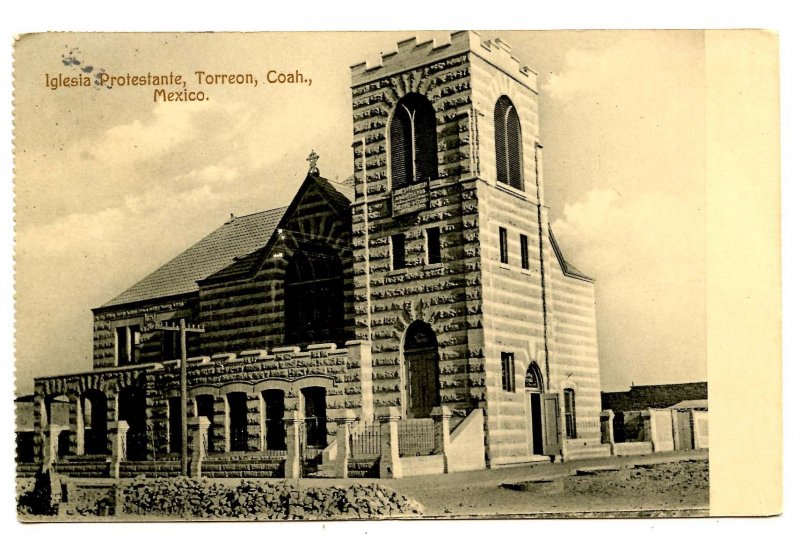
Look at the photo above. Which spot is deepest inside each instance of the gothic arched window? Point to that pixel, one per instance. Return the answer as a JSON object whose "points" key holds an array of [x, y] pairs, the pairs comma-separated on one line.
{"points": [[508, 144], [412, 134], [314, 296]]}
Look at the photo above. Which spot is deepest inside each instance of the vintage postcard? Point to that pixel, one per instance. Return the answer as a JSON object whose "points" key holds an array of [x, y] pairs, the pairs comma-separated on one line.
{"points": [[275, 276]]}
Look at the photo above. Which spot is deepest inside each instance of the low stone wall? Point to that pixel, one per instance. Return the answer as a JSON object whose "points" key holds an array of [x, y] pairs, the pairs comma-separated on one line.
{"points": [[700, 429], [584, 449], [466, 450], [660, 429], [423, 465], [631, 448]]}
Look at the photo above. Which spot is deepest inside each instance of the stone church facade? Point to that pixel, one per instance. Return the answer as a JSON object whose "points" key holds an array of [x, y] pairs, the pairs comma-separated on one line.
{"points": [[417, 310]]}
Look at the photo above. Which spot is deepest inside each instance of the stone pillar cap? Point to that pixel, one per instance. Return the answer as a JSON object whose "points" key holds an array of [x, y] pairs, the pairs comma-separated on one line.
{"points": [[293, 416], [200, 421], [120, 425], [441, 412], [394, 414]]}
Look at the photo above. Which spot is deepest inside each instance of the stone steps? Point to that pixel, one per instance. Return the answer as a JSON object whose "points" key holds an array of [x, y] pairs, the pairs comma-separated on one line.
{"points": [[364, 467]]}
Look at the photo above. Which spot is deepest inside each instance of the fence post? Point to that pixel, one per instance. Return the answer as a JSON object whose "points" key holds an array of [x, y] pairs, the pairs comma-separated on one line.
{"points": [[198, 433], [390, 466], [292, 421], [343, 431], [648, 426], [441, 417], [607, 427], [50, 446], [118, 432]]}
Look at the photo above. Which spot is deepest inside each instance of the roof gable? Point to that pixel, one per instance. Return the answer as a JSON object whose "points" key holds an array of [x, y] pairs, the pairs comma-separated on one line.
{"points": [[237, 237], [339, 196], [566, 268]]}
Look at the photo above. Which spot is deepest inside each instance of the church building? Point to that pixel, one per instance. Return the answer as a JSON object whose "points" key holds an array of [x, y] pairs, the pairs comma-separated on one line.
{"points": [[426, 297]]}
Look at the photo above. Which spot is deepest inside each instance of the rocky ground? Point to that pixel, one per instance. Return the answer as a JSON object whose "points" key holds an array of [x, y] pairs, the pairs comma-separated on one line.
{"points": [[654, 485], [666, 484]]}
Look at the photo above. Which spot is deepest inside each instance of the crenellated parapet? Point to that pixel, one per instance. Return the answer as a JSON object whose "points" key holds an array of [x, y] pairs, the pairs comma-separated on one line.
{"points": [[412, 53]]}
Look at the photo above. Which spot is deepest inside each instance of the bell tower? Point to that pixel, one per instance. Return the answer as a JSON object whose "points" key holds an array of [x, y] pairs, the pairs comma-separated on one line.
{"points": [[459, 283], [423, 126]]}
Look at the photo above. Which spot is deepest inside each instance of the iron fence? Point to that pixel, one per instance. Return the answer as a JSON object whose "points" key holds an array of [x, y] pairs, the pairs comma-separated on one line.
{"points": [[239, 439], [416, 437], [365, 439]]}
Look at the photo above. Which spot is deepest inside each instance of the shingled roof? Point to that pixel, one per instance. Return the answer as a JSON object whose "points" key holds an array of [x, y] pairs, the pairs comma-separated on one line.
{"points": [[232, 249], [340, 196], [238, 237]]}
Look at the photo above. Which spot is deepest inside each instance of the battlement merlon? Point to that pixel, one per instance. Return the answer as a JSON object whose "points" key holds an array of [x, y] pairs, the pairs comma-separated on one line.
{"points": [[411, 54]]}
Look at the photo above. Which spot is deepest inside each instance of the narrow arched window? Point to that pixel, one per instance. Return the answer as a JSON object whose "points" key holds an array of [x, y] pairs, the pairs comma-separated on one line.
{"points": [[314, 296], [508, 144], [412, 134]]}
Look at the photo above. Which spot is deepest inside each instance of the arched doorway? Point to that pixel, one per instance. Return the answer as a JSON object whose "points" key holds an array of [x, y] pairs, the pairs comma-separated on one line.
{"points": [[275, 407], [421, 352], [316, 418], [534, 388], [314, 296], [133, 410], [95, 424]]}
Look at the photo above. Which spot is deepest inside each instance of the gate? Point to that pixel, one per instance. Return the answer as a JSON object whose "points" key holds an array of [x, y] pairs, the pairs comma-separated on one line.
{"points": [[416, 437], [365, 439]]}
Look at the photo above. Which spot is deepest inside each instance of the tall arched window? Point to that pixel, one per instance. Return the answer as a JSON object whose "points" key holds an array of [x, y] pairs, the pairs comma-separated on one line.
{"points": [[314, 296], [412, 134], [508, 144]]}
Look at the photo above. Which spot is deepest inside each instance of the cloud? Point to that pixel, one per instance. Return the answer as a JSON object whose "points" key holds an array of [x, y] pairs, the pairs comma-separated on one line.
{"points": [[648, 257]]}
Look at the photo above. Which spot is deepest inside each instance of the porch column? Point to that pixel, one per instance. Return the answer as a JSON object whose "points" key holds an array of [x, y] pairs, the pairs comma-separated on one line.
{"points": [[198, 444], [390, 466], [441, 422], [292, 420], [343, 429], [50, 445], [221, 432], [117, 436], [75, 424], [255, 430], [41, 427]]}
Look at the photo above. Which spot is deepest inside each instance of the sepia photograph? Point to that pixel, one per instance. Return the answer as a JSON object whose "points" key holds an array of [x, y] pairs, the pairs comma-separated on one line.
{"points": [[362, 275]]}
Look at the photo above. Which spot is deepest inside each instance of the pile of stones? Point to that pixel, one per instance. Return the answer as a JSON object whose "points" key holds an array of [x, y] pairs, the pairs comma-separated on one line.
{"points": [[193, 498]]}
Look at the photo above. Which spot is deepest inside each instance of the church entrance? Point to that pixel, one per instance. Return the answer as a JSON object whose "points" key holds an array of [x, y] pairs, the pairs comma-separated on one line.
{"points": [[533, 385], [421, 351]]}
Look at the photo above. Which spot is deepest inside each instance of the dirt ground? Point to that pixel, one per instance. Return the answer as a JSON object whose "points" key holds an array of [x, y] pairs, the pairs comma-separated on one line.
{"points": [[654, 485]]}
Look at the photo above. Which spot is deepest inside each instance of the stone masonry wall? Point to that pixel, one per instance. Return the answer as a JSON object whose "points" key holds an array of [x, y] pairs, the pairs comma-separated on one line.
{"points": [[445, 295], [149, 349], [247, 312]]}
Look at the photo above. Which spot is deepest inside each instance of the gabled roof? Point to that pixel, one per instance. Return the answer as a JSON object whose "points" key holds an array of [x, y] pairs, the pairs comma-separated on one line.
{"points": [[238, 237], [340, 195], [568, 269], [233, 249]]}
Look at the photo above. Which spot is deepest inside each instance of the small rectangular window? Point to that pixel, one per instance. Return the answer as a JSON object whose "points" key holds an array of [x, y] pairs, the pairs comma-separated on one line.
{"points": [[569, 413], [503, 246], [122, 346], [507, 364], [136, 341], [169, 345], [523, 251], [398, 251], [434, 245]]}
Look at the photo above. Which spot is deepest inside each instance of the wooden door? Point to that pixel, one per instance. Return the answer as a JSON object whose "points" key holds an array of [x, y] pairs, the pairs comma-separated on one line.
{"points": [[552, 425], [536, 424], [423, 383]]}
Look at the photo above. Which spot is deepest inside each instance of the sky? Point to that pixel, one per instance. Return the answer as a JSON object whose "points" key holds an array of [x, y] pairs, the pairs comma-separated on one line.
{"points": [[110, 185]]}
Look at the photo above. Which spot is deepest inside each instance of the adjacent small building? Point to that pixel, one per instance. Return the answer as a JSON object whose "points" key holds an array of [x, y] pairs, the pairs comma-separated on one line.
{"points": [[418, 318]]}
